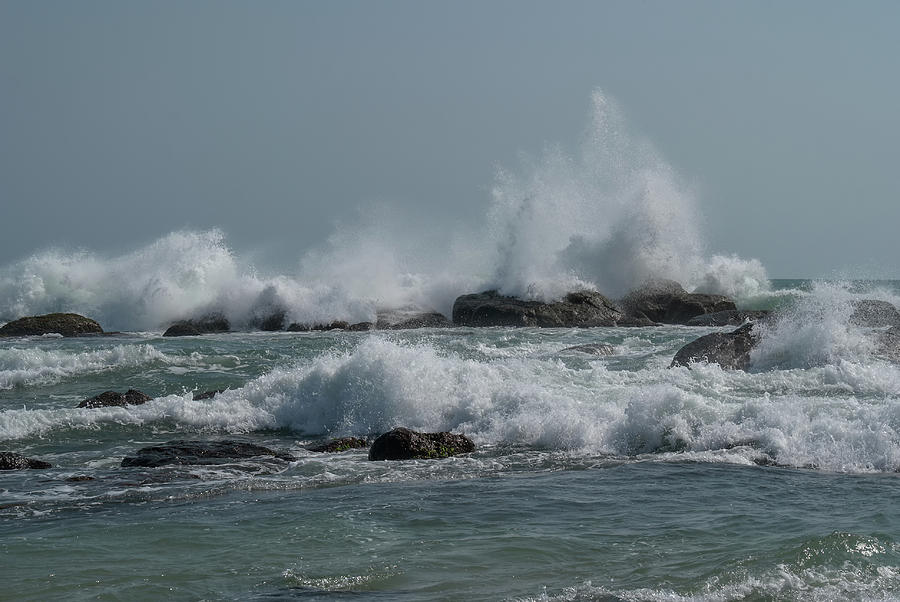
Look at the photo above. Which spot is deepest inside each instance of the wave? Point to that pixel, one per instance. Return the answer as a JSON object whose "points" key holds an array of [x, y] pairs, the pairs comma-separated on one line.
{"points": [[607, 218], [843, 417]]}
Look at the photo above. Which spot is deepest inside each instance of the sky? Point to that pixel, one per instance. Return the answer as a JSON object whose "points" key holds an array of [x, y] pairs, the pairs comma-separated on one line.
{"points": [[121, 121]]}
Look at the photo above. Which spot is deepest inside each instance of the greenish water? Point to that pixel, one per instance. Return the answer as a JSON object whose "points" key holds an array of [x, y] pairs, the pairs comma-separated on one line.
{"points": [[596, 477]]}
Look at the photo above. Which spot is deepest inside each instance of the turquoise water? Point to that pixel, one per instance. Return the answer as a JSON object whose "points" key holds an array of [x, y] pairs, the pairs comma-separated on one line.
{"points": [[596, 477]]}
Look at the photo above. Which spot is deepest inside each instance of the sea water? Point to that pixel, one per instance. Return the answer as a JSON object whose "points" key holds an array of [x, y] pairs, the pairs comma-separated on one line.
{"points": [[596, 477]]}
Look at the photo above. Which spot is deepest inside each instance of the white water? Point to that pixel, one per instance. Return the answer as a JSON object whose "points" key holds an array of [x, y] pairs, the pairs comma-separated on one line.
{"points": [[608, 218]]}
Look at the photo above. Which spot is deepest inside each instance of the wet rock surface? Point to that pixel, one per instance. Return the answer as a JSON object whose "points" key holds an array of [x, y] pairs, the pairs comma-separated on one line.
{"points": [[201, 452], [731, 350], [206, 325], [874, 313], [339, 445], [68, 325], [666, 302], [405, 444], [11, 461], [132, 397], [577, 309]]}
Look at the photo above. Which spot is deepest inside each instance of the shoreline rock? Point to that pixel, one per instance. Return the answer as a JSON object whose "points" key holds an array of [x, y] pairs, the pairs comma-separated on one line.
{"points": [[132, 397], [666, 302], [212, 323], [405, 444], [339, 445], [11, 461], [577, 309], [183, 452], [66, 324], [731, 350]]}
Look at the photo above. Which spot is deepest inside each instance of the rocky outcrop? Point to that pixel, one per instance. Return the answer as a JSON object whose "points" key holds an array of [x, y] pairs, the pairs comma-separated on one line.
{"points": [[207, 325], [207, 394], [336, 325], [577, 309], [731, 350], [430, 319], [68, 325], [273, 322], [666, 302], [593, 349], [887, 344], [201, 452], [404, 444], [11, 461], [874, 313], [361, 327], [131, 397], [339, 445], [731, 317]]}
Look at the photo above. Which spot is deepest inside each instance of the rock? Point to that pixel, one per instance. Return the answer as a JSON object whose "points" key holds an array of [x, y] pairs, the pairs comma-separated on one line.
{"points": [[361, 327], [874, 313], [336, 325], [206, 325], [207, 394], [887, 344], [731, 350], [132, 397], [200, 452], [273, 322], [339, 445], [431, 319], [730, 317], [80, 478], [68, 325], [593, 349], [404, 444], [11, 461], [667, 302], [578, 309]]}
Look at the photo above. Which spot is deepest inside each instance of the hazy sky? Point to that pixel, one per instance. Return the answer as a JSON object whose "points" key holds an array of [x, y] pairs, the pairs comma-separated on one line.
{"points": [[121, 121]]}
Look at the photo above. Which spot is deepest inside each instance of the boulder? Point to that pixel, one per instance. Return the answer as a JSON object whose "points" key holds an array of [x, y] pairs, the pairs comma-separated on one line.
{"points": [[874, 313], [339, 445], [336, 325], [730, 317], [200, 452], [430, 319], [593, 349], [273, 322], [132, 397], [361, 327], [577, 309], [731, 350], [207, 394], [206, 325], [68, 325], [404, 444], [11, 461], [665, 301], [887, 344]]}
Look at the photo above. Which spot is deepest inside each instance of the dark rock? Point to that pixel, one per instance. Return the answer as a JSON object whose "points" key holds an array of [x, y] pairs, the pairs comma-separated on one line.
{"points": [[404, 444], [132, 397], [578, 309], [874, 313], [68, 325], [361, 327], [80, 478], [593, 349], [731, 350], [731, 317], [667, 302], [11, 461], [417, 320], [336, 325], [887, 344], [200, 452], [296, 327], [207, 394], [273, 322], [206, 325], [339, 445]]}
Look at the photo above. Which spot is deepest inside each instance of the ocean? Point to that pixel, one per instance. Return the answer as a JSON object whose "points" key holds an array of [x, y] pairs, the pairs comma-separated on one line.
{"points": [[609, 477]]}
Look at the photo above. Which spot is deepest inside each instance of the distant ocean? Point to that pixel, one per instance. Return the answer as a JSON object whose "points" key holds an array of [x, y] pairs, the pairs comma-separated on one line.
{"points": [[596, 477]]}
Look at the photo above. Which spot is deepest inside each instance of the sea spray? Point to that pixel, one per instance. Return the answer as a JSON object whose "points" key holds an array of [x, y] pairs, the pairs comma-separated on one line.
{"points": [[607, 219]]}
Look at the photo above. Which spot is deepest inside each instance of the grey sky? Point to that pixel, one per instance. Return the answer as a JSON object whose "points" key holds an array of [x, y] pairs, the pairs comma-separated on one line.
{"points": [[121, 121]]}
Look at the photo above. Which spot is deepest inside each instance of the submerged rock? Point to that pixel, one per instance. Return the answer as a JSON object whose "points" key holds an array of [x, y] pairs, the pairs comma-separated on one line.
{"points": [[730, 317], [210, 324], [339, 445], [593, 349], [207, 394], [874, 313], [731, 350], [132, 397], [200, 452], [666, 302], [577, 309], [404, 444], [11, 461], [68, 325]]}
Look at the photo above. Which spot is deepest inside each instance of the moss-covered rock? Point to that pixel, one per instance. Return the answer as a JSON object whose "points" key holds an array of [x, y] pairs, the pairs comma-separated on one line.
{"points": [[339, 445]]}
